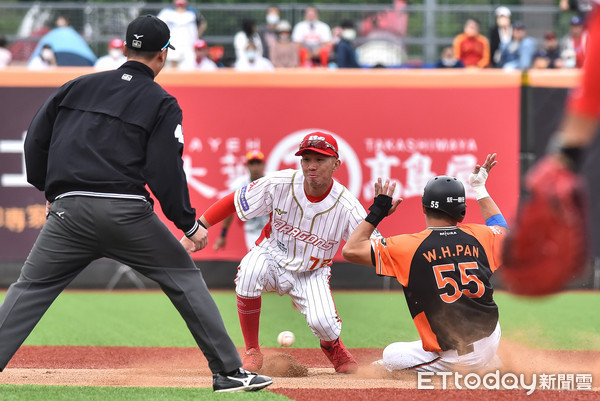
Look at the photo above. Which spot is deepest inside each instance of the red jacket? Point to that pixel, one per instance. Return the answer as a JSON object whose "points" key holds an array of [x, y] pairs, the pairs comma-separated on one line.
{"points": [[472, 51]]}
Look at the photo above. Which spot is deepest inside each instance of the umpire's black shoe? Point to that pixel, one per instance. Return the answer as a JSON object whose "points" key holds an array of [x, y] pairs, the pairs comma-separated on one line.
{"points": [[240, 380]]}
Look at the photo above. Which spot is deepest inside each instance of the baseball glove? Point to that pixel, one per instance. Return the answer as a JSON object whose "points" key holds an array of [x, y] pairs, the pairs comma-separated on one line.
{"points": [[547, 247]]}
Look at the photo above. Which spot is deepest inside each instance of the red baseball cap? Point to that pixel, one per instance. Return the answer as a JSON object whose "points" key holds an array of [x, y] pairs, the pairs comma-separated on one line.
{"points": [[200, 44], [255, 155], [116, 44], [319, 142]]}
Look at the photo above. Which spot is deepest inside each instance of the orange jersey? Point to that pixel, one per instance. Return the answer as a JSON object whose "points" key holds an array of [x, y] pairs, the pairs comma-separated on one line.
{"points": [[445, 273]]}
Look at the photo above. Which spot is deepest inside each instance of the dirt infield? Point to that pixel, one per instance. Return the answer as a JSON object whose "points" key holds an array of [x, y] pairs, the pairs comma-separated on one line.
{"points": [[301, 374]]}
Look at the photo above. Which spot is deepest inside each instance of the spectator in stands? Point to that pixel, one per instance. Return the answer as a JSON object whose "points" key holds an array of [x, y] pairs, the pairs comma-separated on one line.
{"points": [[285, 53], [393, 21], [44, 60], [500, 33], [549, 55], [540, 60], [247, 35], [203, 62], [573, 44], [336, 37], [582, 7], [314, 37], [252, 61], [186, 25], [115, 57], [268, 31], [5, 54], [472, 48], [518, 54], [448, 60], [216, 54], [345, 53], [62, 21], [68, 46]]}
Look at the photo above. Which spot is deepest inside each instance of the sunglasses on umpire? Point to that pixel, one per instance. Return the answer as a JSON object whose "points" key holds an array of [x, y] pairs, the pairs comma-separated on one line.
{"points": [[317, 144]]}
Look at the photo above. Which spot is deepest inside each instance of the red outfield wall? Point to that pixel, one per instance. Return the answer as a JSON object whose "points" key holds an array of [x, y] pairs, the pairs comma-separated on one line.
{"points": [[408, 125]]}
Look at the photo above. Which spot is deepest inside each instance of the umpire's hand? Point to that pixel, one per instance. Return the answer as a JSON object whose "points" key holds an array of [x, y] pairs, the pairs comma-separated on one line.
{"points": [[197, 242]]}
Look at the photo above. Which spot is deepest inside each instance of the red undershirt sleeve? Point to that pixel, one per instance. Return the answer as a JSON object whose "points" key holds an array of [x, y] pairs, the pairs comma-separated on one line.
{"points": [[585, 99], [219, 210]]}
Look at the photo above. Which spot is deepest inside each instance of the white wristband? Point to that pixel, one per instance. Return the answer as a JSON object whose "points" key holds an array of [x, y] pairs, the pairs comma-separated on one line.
{"points": [[480, 192]]}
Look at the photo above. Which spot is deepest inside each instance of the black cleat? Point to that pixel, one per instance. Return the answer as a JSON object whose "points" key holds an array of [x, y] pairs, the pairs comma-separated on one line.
{"points": [[240, 380]]}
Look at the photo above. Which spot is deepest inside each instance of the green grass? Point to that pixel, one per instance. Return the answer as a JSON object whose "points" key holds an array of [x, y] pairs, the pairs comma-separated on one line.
{"points": [[565, 321], [370, 319], [57, 393], [148, 319]]}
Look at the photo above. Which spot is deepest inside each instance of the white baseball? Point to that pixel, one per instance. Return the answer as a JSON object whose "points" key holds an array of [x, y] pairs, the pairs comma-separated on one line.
{"points": [[286, 338]]}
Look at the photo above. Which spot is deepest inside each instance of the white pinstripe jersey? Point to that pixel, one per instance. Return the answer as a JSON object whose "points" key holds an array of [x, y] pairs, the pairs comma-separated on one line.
{"points": [[304, 236]]}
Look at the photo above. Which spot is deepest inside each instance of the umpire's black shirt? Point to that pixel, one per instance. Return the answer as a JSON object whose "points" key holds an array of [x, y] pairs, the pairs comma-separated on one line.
{"points": [[110, 134]]}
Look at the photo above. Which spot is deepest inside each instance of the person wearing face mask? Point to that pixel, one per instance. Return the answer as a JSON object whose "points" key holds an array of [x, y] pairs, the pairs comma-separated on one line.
{"points": [[44, 60], [500, 34], [285, 53], [115, 57], [253, 61], [68, 47], [248, 35], [447, 59], [268, 31], [345, 53]]}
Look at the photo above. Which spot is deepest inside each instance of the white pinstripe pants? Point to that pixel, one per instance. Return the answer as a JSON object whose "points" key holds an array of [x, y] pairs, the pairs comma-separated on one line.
{"points": [[258, 272]]}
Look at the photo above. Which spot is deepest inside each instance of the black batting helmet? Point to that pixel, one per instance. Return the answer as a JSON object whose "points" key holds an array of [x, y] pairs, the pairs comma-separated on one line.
{"points": [[446, 194]]}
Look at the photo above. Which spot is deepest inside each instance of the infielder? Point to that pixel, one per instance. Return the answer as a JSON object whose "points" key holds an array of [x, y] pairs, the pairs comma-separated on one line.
{"points": [[92, 148], [255, 163], [445, 271], [311, 214]]}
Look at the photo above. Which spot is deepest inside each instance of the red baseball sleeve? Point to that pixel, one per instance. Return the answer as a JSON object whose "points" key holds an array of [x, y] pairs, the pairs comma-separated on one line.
{"points": [[585, 100], [219, 210]]}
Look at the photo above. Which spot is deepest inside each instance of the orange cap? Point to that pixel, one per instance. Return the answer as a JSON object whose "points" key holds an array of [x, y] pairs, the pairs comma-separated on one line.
{"points": [[255, 154]]}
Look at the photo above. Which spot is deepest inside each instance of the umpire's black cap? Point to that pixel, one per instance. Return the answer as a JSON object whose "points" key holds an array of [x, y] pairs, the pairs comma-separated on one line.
{"points": [[148, 33]]}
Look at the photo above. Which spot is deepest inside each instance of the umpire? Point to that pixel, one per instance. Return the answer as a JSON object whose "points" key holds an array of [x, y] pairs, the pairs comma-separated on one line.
{"points": [[92, 148]]}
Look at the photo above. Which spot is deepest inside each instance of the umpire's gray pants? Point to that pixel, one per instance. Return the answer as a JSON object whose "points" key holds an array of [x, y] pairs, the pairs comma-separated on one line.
{"points": [[82, 229]]}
